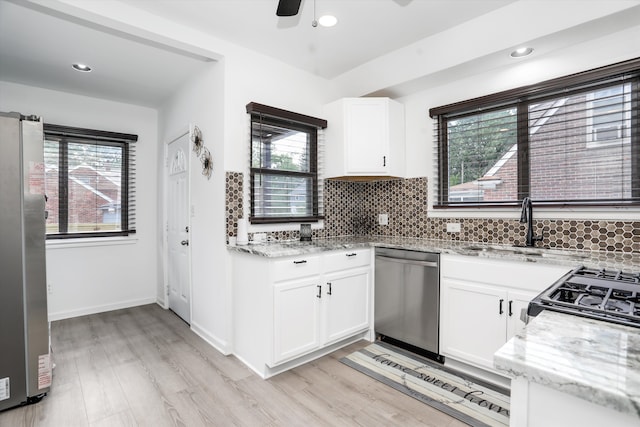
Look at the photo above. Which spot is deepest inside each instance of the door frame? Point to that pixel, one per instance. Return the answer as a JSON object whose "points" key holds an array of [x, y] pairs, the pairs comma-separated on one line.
{"points": [[165, 219]]}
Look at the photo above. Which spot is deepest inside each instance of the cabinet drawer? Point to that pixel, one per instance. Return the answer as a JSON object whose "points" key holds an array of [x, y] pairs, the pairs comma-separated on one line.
{"points": [[534, 277], [295, 267], [342, 260]]}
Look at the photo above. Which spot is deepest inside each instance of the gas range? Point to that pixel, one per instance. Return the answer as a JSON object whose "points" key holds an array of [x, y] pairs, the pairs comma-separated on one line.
{"points": [[608, 295]]}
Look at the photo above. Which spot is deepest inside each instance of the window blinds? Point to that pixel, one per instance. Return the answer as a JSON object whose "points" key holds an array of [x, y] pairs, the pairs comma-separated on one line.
{"points": [[90, 182], [573, 140]]}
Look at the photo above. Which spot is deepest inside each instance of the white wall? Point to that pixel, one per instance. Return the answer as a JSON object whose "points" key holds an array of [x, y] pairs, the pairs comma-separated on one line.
{"points": [[215, 100], [200, 102], [271, 83], [94, 277]]}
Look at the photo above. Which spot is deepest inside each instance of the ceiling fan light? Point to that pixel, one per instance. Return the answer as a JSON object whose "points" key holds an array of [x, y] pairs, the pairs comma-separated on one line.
{"points": [[327, 20]]}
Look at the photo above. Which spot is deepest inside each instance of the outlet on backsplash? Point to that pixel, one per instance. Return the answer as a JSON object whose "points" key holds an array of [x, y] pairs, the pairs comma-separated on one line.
{"points": [[453, 227], [383, 219]]}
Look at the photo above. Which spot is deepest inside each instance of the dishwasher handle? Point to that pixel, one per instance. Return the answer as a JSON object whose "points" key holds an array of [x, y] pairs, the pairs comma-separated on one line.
{"points": [[432, 264]]}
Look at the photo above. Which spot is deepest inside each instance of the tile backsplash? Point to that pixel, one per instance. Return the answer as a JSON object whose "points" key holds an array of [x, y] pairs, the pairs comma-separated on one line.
{"points": [[352, 208]]}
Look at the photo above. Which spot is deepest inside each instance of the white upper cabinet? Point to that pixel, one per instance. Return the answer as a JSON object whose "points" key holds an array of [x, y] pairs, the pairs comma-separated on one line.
{"points": [[364, 137]]}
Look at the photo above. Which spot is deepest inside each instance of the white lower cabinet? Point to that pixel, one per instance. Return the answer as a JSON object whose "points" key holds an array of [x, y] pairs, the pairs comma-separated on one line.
{"points": [[296, 319], [288, 310], [481, 301], [346, 303], [478, 319]]}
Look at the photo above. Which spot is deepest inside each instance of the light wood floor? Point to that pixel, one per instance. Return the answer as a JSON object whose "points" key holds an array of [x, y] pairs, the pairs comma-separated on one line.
{"points": [[143, 366]]}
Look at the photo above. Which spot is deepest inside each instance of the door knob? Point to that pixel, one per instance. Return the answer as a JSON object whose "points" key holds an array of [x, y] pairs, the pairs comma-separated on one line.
{"points": [[185, 243]]}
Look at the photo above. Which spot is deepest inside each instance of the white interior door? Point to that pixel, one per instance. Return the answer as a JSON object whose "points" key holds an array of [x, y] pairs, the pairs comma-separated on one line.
{"points": [[178, 260]]}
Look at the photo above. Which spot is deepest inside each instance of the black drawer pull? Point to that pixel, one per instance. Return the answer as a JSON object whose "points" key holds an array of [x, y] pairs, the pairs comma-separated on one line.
{"points": [[304, 261], [500, 309], [329, 291], [352, 254], [510, 308], [319, 291]]}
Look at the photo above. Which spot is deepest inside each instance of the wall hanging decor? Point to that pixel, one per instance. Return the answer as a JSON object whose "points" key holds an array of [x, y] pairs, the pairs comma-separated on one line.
{"points": [[196, 138], [207, 162], [203, 154]]}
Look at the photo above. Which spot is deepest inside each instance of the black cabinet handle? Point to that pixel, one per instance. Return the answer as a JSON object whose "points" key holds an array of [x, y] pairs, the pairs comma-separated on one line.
{"points": [[384, 161], [304, 261], [510, 308], [319, 291], [329, 291], [500, 308], [352, 254]]}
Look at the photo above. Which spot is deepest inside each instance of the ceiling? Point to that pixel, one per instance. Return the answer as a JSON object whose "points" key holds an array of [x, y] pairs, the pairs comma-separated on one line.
{"points": [[366, 29], [131, 69], [123, 69]]}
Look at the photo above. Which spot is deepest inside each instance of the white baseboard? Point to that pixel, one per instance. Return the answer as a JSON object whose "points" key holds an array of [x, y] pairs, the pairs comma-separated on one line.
{"points": [[162, 303], [53, 316], [222, 346]]}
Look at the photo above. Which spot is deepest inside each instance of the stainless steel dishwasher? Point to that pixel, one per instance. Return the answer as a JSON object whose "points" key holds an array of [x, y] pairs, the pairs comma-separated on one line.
{"points": [[407, 299]]}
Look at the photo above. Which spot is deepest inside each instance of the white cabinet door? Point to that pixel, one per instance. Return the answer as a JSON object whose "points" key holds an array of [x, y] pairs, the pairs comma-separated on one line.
{"points": [[472, 326], [365, 137], [296, 324], [366, 133], [346, 301], [517, 302]]}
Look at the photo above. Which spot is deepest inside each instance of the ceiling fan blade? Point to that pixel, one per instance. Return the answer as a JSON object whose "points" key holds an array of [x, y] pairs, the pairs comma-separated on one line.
{"points": [[288, 7]]}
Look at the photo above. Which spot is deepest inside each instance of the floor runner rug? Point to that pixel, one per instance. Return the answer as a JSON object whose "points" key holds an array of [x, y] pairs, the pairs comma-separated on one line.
{"points": [[433, 384]]}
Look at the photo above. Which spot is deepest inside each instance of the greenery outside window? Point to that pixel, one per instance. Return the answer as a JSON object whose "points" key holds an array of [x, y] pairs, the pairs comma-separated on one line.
{"points": [[89, 182], [567, 141], [283, 166]]}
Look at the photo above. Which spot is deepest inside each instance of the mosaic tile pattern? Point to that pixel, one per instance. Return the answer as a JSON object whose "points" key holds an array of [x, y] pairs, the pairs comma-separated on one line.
{"points": [[405, 200], [352, 208], [233, 203]]}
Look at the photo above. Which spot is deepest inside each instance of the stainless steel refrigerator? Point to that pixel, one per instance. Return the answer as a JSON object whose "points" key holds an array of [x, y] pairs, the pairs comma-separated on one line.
{"points": [[25, 361]]}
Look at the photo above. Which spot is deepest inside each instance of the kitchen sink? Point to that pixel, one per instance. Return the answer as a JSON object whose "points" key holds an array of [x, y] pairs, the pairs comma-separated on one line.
{"points": [[526, 251]]}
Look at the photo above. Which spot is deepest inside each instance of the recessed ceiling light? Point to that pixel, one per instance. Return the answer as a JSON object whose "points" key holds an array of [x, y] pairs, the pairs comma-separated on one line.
{"points": [[523, 51], [327, 20], [82, 68]]}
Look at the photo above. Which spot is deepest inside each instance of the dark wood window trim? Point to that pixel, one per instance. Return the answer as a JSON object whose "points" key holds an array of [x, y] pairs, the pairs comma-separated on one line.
{"points": [[602, 76], [289, 116], [547, 87]]}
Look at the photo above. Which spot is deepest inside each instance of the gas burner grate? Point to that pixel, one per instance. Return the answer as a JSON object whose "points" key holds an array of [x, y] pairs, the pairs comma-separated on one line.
{"points": [[608, 295], [614, 275], [619, 306], [589, 300]]}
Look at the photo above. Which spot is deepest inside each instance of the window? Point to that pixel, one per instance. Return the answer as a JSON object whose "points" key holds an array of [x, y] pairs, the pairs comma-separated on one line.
{"points": [[609, 115], [284, 166], [89, 182], [568, 141]]}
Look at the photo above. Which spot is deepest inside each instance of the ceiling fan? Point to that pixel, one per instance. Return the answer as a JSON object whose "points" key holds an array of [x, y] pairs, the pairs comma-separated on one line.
{"points": [[288, 7]]}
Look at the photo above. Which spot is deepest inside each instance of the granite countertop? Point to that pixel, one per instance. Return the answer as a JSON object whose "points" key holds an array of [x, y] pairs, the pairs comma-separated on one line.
{"points": [[617, 261], [594, 360]]}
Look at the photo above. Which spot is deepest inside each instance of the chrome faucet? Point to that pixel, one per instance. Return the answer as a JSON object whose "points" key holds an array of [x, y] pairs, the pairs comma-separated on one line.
{"points": [[526, 215]]}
